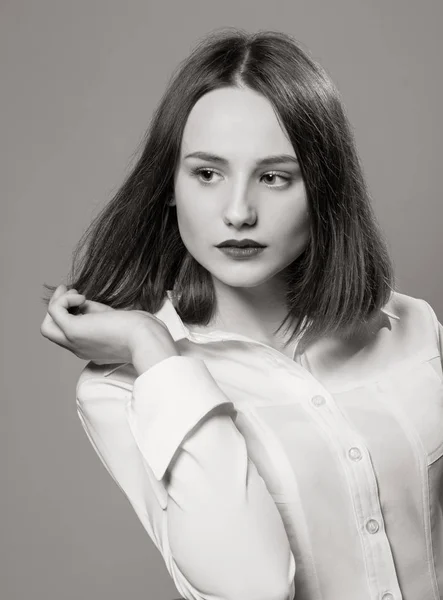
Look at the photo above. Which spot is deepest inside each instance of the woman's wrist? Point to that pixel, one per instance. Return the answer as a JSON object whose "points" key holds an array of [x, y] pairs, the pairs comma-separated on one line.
{"points": [[143, 362], [146, 351]]}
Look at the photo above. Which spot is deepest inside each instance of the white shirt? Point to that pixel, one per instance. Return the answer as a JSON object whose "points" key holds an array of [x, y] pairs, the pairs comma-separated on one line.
{"points": [[261, 477]]}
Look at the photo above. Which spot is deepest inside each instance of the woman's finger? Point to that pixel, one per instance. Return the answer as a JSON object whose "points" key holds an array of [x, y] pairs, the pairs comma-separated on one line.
{"points": [[58, 310], [91, 306], [50, 330], [61, 289]]}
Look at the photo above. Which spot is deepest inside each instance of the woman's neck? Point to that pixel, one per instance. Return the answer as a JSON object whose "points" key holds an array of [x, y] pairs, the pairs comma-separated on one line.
{"points": [[254, 312]]}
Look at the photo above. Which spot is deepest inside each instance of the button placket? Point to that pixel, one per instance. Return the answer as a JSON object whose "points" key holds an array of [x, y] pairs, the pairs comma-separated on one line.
{"points": [[363, 485]]}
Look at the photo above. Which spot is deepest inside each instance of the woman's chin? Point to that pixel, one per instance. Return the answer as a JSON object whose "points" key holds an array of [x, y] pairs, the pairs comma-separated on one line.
{"points": [[242, 277]]}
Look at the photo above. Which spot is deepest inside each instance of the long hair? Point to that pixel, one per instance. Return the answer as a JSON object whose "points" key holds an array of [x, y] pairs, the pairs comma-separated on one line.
{"points": [[132, 251]]}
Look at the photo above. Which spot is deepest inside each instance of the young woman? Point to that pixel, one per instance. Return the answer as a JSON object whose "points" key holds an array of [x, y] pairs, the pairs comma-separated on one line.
{"points": [[270, 406]]}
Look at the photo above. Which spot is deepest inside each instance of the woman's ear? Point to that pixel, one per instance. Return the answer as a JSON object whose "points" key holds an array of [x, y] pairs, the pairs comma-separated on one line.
{"points": [[171, 201]]}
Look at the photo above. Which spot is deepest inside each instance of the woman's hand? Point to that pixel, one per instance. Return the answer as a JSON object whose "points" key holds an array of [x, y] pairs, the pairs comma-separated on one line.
{"points": [[101, 333]]}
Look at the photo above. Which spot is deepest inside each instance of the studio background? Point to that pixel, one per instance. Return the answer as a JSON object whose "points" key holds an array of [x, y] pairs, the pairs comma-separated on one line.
{"points": [[79, 83]]}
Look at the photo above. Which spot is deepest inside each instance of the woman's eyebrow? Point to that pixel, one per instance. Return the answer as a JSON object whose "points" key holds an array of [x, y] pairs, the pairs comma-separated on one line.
{"points": [[268, 160]]}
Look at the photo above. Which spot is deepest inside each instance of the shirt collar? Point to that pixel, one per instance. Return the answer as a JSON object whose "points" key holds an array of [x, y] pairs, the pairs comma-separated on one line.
{"points": [[179, 331]]}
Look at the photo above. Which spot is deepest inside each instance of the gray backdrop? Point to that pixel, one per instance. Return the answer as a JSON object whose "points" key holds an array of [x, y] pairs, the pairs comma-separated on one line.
{"points": [[79, 81]]}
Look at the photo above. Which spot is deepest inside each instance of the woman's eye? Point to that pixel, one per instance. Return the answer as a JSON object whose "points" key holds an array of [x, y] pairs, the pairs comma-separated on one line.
{"points": [[205, 173], [273, 175], [205, 176]]}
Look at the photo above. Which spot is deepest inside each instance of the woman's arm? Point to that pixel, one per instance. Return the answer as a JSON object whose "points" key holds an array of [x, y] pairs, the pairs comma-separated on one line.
{"points": [[171, 444]]}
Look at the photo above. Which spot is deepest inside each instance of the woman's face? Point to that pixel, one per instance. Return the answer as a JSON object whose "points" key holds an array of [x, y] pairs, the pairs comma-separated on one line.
{"points": [[236, 197]]}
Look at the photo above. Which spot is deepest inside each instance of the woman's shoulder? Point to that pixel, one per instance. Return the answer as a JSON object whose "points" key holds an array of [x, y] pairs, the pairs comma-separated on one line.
{"points": [[406, 307], [415, 318]]}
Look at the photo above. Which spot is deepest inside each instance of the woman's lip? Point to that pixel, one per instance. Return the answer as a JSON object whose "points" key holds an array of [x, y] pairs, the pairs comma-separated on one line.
{"points": [[237, 252], [233, 246]]}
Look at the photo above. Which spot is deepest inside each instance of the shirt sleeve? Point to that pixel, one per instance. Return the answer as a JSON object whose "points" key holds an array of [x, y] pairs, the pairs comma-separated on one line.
{"points": [[438, 329], [170, 443], [440, 339]]}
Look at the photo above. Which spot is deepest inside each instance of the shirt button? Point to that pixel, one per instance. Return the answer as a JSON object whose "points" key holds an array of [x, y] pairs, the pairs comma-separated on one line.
{"points": [[372, 527], [355, 454], [387, 596], [318, 400]]}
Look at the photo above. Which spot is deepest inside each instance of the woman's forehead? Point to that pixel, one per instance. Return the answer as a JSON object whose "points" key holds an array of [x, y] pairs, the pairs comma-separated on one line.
{"points": [[234, 121]]}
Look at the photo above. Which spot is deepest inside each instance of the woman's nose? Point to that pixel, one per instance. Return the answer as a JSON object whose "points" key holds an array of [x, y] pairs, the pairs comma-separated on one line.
{"points": [[239, 210]]}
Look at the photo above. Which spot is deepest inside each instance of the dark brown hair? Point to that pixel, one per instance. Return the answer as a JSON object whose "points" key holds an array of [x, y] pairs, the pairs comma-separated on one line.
{"points": [[132, 251]]}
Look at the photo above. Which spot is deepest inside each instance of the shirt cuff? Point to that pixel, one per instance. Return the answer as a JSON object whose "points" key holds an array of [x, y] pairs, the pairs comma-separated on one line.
{"points": [[168, 400]]}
